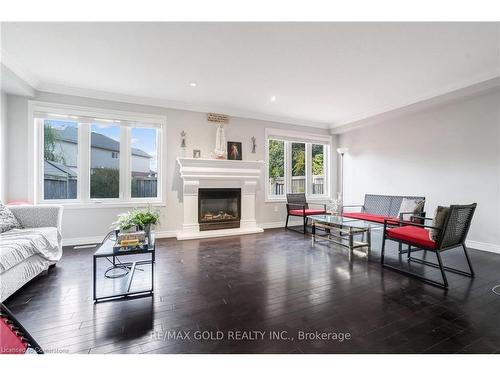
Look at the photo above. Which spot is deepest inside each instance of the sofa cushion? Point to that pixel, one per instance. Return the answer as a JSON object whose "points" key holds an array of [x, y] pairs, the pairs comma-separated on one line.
{"points": [[368, 217], [308, 211], [414, 235], [7, 219]]}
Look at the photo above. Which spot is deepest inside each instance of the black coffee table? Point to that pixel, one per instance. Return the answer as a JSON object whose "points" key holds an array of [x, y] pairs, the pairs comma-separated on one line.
{"points": [[123, 265]]}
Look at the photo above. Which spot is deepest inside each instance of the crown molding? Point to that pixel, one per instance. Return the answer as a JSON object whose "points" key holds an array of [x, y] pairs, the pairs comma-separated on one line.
{"points": [[12, 84], [475, 89]]}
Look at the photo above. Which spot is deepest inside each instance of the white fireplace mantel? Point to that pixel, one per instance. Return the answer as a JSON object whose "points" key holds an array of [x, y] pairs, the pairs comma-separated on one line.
{"points": [[214, 173]]}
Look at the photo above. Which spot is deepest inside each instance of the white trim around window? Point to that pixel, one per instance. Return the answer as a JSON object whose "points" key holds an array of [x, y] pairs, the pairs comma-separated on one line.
{"points": [[309, 139], [85, 116]]}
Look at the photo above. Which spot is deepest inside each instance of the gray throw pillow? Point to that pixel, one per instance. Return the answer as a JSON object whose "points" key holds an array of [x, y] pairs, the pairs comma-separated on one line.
{"points": [[7, 219], [413, 206], [440, 216]]}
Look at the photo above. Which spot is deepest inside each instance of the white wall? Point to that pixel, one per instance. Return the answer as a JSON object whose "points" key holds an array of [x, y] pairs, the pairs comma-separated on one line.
{"points": [[81, 224], [450, 154], [3, 147]]}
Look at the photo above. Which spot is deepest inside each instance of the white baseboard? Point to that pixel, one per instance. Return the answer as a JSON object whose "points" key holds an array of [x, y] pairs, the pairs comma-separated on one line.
{"points": [[484, 246]]}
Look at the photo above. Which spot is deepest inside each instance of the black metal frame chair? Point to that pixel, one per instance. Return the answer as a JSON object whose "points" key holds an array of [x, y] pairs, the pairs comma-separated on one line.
{"points": [[297, 201], [18, 329], [452, 235]]}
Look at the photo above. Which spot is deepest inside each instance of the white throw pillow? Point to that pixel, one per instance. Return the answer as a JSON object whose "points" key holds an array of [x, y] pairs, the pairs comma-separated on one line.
{"points": [[414, 206], [7, 219]]}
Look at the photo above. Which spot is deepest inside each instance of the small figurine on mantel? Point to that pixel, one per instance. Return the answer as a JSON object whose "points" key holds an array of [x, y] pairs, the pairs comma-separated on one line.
{"points": [[254, 145], [183, 139], [183, 143]]}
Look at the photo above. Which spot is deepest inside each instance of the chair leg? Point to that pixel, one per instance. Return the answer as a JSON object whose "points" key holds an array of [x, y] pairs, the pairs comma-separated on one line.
{"points": [[409, 252], [286, 223], [305, 224], [382, 253], [468, 260], [445, 281]]}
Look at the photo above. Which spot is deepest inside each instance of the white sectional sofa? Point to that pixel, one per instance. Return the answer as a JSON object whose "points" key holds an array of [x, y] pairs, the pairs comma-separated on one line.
{"points": [[27, 252]]}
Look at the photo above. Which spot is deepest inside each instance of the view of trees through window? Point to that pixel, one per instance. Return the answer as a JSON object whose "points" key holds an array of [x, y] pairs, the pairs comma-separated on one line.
{"points": [[302, 155], [318, 169], [60, 151], [298, 167], [276, 167]]}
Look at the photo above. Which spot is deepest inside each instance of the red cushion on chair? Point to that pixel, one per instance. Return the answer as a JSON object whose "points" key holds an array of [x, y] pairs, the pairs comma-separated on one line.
{"points": [[414, 235], [10, 343], [368, 217], [308, 211]]}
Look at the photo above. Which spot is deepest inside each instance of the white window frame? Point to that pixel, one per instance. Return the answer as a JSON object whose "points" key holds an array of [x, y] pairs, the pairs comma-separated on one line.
{"points": [[309, 139], [85, 116]]}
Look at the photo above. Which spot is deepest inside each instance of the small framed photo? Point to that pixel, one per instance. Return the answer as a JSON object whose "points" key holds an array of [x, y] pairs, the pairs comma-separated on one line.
{"points": [[196, 154], [234, 151]]}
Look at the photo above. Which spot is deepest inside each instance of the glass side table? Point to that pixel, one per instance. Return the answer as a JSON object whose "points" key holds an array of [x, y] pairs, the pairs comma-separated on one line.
{"points": [[116, 271]]}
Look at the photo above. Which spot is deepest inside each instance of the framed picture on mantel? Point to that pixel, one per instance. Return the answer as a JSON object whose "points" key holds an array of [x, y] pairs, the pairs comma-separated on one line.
{"points": [[234, 151]]}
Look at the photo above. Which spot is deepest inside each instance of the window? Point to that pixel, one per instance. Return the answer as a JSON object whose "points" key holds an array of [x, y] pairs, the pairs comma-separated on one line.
{"points": [[318, 169], [144, 171], [97, 159], [296, 163], [276, 165], [104, 168], [298, 168], [60, 155]]}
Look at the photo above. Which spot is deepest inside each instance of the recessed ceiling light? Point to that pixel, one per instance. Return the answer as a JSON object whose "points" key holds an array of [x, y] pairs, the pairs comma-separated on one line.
{"points": [[192, 84], [272, 98]]}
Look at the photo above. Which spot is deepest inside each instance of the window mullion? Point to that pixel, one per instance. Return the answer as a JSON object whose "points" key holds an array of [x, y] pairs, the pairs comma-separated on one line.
{"points": [[83, 163], [288, 167], [125, 163], [308, 169]]}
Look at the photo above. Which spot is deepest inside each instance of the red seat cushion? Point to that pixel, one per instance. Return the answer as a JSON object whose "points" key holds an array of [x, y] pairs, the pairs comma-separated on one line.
{"points": [[308, 211], [10, 343], [414, 235], [368, 217]]}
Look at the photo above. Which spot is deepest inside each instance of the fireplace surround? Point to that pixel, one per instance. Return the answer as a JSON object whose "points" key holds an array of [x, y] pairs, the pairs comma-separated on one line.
{"points": [[200, 174]]}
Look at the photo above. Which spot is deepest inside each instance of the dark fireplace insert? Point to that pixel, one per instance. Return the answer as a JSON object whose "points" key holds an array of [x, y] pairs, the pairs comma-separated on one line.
{"points": [[219, 208]]}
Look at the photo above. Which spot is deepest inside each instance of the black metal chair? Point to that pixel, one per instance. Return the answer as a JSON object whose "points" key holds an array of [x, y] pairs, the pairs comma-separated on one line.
{"points": [[451, 235], [297, 206]]}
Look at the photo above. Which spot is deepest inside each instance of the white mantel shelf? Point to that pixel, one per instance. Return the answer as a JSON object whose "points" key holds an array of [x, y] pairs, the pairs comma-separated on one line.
{"points": [[219, 168], [217, 173]]}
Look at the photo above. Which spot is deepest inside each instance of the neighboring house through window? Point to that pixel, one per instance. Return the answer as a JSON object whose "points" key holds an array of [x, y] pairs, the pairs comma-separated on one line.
{"points": [[82, 163]]}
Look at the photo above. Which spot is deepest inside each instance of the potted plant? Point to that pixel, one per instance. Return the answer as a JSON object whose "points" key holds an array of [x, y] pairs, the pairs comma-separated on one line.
{"points": [[145, 219], [125, 222]]}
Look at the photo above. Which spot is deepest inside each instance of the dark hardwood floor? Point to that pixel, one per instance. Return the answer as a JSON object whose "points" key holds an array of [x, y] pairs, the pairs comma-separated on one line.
{"points": [[271, 282]]}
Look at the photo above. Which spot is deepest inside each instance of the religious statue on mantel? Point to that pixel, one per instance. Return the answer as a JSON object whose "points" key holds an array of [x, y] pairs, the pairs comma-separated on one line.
{"points": [[220, 143]]}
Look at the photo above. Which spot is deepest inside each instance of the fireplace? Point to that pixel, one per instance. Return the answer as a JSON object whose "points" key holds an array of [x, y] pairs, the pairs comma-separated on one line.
{"points": [[219, 208]]}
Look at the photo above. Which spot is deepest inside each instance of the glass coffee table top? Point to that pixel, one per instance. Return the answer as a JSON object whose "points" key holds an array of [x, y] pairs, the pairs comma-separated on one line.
{"points": [[339, 221]]}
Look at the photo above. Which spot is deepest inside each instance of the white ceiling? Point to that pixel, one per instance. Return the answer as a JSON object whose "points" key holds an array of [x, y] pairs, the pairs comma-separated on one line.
{"points": [[323, 74]]}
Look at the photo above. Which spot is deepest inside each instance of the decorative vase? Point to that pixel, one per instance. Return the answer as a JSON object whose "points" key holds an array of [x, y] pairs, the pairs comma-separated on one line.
{"points": [[147, 231]]}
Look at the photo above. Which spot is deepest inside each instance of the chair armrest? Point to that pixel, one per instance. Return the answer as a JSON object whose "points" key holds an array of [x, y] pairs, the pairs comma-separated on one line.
{"points": [[408, 223], [38, 216], [319, 204], [352, 205]]}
